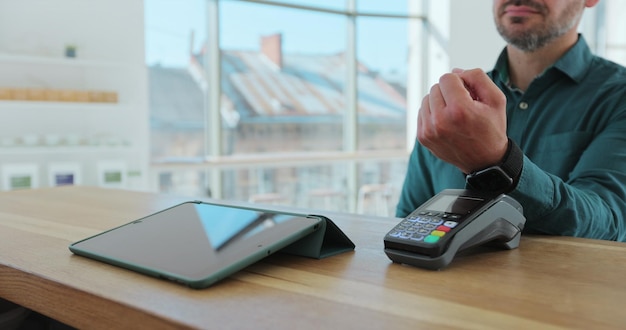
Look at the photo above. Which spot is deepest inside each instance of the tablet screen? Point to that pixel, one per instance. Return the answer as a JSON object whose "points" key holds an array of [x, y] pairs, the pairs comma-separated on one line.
{"points": [[196, 243]]}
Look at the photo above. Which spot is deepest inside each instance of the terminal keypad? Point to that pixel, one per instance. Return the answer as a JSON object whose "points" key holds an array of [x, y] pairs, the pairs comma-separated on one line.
{"points": [[425, 226]]}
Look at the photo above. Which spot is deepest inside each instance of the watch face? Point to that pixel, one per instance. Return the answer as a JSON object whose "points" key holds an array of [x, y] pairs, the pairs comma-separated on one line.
{"points": [[490, 179]]}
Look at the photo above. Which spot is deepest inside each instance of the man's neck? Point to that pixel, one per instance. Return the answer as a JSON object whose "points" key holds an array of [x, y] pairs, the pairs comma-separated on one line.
{"points": [[525, 66]]}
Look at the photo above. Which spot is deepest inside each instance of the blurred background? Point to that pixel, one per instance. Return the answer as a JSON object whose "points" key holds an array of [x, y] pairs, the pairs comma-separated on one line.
{"points": [[308, 103]]}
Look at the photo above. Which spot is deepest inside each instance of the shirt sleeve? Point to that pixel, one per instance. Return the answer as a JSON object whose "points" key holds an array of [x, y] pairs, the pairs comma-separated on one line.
{"points": [[591, 201]]}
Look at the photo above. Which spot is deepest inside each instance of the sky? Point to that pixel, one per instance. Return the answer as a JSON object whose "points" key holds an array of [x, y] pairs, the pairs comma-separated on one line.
{"points": [[381, 42]]}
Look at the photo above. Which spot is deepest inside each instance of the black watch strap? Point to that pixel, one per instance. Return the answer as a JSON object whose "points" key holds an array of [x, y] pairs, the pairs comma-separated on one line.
{"points": [[500, 178], [513, 161]]}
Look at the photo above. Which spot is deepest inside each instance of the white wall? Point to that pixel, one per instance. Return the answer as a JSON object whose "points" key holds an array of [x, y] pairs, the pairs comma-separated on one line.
{"points": [[109, 30], [109, 36], [474, 40]]}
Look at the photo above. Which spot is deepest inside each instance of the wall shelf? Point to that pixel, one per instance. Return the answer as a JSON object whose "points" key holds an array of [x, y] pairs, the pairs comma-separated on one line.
{"points": [[63, 149], [59, 105], [62, 61], [88, 111]]}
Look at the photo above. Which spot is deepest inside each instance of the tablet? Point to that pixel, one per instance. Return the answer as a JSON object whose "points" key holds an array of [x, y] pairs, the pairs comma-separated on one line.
{"points": [[197, 243]]}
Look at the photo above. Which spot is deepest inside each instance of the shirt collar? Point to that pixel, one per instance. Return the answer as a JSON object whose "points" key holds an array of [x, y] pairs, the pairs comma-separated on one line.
{"points": [[574, 63]]}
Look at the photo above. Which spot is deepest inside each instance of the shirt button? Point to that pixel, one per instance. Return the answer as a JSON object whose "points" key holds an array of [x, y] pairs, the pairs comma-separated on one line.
{"points": [[523, 105]]}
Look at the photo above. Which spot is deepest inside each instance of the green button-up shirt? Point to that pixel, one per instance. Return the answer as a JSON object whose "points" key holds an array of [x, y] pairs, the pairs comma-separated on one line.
{"points": [[571, 125]]}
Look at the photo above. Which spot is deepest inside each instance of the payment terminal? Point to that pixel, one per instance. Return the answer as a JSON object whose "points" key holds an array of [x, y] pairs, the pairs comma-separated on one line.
{"points": [[452, 221]]}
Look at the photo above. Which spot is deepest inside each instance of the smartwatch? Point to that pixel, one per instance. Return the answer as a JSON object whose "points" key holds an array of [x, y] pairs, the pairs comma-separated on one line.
{"points": [[501, 178]]}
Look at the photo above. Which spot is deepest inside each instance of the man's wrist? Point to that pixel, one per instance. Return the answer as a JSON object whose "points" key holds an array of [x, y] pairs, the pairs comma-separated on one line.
{"points": [[501, 178]]}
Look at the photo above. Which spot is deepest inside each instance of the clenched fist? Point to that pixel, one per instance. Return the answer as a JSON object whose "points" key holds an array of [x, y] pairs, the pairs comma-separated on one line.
{"points": [[462, 120]]}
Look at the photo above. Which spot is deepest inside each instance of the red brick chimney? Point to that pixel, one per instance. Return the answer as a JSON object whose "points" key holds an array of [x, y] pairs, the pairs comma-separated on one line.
{"points": [[271, 47]]}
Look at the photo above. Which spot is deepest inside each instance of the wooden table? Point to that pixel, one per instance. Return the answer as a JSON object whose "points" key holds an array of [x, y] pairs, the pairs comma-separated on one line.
{"points": [[549, 282]]}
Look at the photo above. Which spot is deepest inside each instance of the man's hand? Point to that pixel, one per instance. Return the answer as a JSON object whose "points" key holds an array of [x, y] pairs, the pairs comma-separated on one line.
{"points": [[463, 120]]}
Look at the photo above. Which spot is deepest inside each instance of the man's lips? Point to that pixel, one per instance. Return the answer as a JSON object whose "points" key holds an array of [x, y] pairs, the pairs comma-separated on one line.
{"points": [[520, 11]]}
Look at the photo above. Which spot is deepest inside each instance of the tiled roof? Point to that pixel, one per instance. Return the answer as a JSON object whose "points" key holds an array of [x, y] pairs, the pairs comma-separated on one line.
{"points": [[174, 98], [306, 86]]}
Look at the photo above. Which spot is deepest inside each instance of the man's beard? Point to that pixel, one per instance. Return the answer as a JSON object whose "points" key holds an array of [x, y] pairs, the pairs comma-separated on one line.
{"points": [[537, 37]]}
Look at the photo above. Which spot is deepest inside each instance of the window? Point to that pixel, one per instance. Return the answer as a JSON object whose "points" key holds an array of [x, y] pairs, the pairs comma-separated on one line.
{"points": [[282, 80], [176, 97], [381, 85], [290, 76]]}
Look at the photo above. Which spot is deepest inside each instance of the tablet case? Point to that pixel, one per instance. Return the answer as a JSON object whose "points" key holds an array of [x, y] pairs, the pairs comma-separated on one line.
{"points": [[325, 242]]}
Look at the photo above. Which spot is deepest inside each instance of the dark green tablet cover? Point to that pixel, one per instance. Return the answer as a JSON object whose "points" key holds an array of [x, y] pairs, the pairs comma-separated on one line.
{"points": [[325, 242]]}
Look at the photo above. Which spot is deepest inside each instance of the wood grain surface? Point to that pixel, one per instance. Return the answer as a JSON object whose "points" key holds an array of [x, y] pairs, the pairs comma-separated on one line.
{"points": [[549, 282]]}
